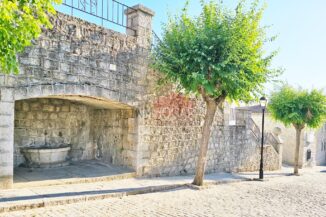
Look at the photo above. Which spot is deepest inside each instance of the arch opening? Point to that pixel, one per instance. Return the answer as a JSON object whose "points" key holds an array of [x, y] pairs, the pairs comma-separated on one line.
{"points": [[95, 130]]}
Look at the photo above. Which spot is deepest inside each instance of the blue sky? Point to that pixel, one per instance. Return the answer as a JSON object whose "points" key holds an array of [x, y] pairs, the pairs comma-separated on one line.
{"points": [[299, 24]]}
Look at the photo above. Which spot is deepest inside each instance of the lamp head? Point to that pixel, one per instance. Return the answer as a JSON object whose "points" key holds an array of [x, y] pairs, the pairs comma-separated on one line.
{"points": [[263, 102]]}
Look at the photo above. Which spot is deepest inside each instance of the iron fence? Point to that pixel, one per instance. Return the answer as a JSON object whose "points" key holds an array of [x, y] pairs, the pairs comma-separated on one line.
{"points": [[254, 129], [105, 10], [155, 40], [271, 139]]}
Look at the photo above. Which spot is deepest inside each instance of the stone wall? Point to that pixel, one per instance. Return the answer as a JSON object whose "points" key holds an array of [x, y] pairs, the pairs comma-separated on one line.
{"points": [[7, 107], [52, 122], [169, 129], [271, 160], [116, 113], [114, 135], [240, 151], [169, 134], [76, 59]]}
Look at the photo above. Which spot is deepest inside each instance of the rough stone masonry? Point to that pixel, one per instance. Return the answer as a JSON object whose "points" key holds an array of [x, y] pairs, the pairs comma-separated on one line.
{"points": [[91, 88]]}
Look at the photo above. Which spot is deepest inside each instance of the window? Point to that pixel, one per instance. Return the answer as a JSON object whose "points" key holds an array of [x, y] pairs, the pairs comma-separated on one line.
{"points": [[323, 145], [308, 154]]}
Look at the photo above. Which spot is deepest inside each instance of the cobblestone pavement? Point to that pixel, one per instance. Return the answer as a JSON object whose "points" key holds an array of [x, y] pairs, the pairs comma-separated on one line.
{"points": [[283, 196]]}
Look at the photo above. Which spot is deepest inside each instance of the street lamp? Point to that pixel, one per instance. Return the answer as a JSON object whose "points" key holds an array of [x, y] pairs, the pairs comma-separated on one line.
{"points": [[263, 104]]}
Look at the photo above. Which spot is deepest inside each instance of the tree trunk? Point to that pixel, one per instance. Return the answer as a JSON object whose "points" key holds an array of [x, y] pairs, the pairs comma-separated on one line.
{"points": [[297, 150], [204, 141]]}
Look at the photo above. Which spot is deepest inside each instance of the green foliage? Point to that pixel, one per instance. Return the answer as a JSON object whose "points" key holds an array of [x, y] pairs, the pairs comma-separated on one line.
{"points": [[21, 21], [218, 54], [298, 107]]}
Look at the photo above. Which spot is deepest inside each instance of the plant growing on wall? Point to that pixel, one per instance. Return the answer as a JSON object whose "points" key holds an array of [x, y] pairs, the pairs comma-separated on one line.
{"points": [[21, 21], [218, 55], [299, 108]]}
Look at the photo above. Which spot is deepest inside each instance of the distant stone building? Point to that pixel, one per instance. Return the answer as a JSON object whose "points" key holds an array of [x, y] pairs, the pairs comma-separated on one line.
{"points": [[90, 88], [313, 142]]}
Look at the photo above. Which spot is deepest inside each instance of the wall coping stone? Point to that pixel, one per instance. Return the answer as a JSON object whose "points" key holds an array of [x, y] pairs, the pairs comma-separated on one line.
{"points": [[142, 8]]}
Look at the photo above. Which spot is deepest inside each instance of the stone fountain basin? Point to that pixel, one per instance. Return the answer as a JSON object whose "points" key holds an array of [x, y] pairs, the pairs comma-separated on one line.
{"points": [[46, 157]]}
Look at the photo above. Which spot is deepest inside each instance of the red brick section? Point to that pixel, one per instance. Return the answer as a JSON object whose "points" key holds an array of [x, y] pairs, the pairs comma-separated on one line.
{"points": [[174, 104]]}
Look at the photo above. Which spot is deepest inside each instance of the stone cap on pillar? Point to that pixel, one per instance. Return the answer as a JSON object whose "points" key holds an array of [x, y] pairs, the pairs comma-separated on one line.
{"points": [[140, 8], [277, 132], [144, 9]]}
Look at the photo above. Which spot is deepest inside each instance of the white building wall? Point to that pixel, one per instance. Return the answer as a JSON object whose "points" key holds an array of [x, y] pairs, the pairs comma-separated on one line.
{"points": [[321, 146]]}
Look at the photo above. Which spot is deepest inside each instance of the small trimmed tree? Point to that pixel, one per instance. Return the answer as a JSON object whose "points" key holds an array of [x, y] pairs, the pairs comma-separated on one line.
{"points": [[21, 21], [218, 55], [299, 108]]}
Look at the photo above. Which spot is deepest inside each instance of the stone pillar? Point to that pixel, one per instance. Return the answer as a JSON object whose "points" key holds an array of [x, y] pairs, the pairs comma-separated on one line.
{"points": [[7, 111], [139, 22]]}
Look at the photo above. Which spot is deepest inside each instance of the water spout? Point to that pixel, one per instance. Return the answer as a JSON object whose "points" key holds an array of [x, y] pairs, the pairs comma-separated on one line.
{"points": [[45, 140]]}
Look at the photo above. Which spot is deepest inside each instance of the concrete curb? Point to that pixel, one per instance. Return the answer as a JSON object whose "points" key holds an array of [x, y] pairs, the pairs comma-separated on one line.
{"points": [[269, 177], [47, 202], [219, 182]]}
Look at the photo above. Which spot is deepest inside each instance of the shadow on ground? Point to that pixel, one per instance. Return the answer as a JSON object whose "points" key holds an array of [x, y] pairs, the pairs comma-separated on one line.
{"points": [[83, 169], [84, 193]]}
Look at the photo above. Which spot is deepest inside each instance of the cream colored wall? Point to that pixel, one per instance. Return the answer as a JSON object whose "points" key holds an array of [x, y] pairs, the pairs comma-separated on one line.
{"points": [[321, 146]]}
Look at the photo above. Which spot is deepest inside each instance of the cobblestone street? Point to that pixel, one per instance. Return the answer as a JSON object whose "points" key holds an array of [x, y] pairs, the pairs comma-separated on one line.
{"points": [[283, 196]]}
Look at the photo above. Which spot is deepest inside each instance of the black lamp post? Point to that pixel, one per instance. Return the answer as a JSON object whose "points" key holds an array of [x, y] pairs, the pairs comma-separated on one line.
{"points": [[263, 104]]}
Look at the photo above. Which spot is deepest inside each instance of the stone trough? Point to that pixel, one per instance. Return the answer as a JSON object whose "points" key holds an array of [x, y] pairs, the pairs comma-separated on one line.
{"points": [[46, 157]]}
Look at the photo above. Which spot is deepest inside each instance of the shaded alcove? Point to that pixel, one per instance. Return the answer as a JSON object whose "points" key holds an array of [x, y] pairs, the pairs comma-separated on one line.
{"points": [[97, 131]]}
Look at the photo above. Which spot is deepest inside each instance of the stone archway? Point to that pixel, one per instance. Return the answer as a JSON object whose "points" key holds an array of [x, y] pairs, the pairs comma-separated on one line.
{"points": [[94, 127]]}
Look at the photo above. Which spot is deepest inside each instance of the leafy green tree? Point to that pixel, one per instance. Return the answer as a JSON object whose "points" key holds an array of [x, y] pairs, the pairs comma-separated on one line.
{"points": [[21, 21], [218, 55], [299, 108]]}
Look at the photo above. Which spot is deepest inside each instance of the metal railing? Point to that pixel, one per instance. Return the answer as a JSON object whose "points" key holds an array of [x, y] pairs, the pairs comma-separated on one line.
{"points": [[104, 10], [155, 39], [254, 129], [270, 139]]}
